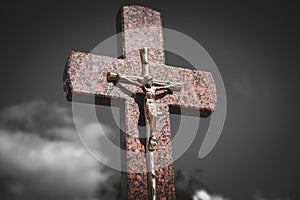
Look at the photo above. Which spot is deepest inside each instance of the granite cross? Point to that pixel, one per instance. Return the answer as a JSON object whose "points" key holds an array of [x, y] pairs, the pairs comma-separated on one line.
{"points": [[118, 82]]}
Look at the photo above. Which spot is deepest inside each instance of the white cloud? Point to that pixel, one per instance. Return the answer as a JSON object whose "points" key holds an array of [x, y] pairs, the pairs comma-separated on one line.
{"points": [[41, 157], [203, 195], [58, 166]]}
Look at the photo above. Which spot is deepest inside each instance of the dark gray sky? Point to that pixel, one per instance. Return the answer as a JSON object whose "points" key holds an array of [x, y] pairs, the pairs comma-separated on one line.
{"points": [[255, 45]]}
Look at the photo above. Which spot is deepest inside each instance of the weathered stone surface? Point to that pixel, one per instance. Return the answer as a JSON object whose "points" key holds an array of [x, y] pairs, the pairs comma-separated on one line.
{"points": [[86, 75], [142, 27]]}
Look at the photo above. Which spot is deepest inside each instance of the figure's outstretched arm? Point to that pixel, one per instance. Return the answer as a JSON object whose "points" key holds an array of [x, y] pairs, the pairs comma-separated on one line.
{"points": [[169, 86], [116, 77]]}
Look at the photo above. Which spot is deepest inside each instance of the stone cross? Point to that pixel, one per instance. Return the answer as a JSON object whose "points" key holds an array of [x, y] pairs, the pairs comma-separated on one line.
{"points": [[118, 82]]}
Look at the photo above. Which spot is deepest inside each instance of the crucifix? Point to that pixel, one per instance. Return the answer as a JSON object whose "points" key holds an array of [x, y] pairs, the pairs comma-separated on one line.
{"points": [[155, 90], [150, 86]]}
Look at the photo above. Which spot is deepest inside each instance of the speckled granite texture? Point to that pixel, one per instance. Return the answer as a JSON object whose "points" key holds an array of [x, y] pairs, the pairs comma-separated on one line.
{"points": [[86, 75]]}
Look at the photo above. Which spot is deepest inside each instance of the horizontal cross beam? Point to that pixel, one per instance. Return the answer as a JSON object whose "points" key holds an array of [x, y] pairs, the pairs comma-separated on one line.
{"points": [[87, 75]]}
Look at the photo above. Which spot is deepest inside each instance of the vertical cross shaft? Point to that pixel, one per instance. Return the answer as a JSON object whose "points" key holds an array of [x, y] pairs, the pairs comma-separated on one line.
{"points": [[149, 132], [149, 86]]}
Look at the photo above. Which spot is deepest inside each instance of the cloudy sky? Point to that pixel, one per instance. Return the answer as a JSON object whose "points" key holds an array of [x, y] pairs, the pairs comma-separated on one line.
{"points": [[255, 46]]}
